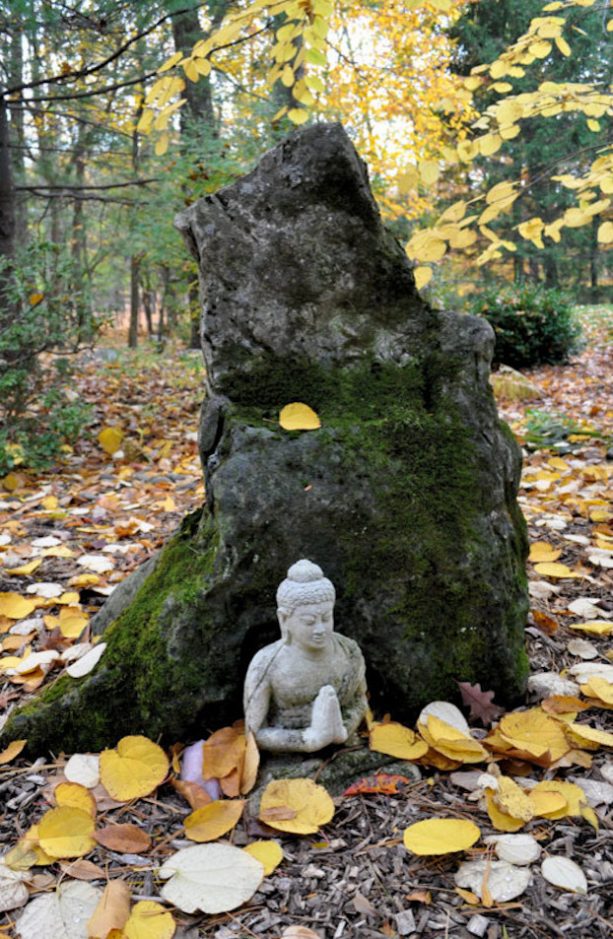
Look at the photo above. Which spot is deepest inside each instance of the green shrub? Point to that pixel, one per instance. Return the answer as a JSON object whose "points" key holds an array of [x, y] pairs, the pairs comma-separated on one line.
{"points": [[44, 318], [533, 325]]}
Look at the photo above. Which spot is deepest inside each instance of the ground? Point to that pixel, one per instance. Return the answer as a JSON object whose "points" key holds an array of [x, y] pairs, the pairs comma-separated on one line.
{"points": [[102, 514]]}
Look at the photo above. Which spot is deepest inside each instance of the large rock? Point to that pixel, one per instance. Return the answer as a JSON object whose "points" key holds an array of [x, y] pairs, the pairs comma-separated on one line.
{"points": [[405, 496]]}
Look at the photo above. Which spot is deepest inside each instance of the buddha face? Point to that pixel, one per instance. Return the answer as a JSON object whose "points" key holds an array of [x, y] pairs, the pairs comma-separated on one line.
{"points": [[309, 626]]}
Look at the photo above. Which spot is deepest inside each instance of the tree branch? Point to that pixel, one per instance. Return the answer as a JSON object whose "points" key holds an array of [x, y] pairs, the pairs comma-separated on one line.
{"points": [[134, 182]]}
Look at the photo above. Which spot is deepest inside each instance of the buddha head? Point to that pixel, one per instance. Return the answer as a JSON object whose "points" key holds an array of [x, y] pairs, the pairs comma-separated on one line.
{"points": [[305, 608]]}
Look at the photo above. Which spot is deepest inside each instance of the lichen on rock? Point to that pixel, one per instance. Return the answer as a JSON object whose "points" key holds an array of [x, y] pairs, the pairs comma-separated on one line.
{"points": [[406, 495]]}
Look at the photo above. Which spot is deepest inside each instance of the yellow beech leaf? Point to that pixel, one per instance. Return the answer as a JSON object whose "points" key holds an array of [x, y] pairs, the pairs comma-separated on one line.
{"points": [[535, 733], [501, 821], [554, 569], [149, 920], [112, 911], [298, 806], [440, 836], [573, 795], [12, 751], [589, 737], [66, 832], [133, 769], [110, 439], [268, 853], [594, 688], [15, 606], [541, 551], [299, 416], [423, 276], [398, 741], [75, 795], [213, 820]]}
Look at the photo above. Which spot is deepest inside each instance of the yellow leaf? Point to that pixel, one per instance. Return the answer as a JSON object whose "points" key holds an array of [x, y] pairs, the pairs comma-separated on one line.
{"points": [[574, 797], [510, 131], [72, 622], [501, 821], [555, 570], [268, 853], [15, 606], [66, 832], [35, 298], [149, 920], [535, 733], [467, 150], [605, 231], [251, 762], [287, 76], [161, 145], [589, 737], [12, 751], [440, 836], [501, 191], [110, 439], [489, 144], [112, 911], [590, 816], [594, 688], [26, 569], [429, 171], [298, 416], [213, 820], [75, 796], [575, 218], [50, 503], [133, 769], [298, 115], [298, 806], [543, 551], [396, 740], [423, 276], [511, 798], [547, 802], [169, 63], [540, 49], [451, 742], [425, 246], [223, 752], [597, 627]]}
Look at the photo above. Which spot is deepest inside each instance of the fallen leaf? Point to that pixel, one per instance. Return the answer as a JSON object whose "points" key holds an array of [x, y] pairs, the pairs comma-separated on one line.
{"points": [[134, 769], [481, 703], [299, 932], [66, 832], [298, 416], [548, 624], [542, 551], [149, 920], [565, 874], [127, 839], [213, 878], [496, 881], [83, 768], [555, 569], [12, 751], [110, 439], [310, 804], [516, 849], [76, 796], [396, 740], [268, 853], [447, 712], [389, 784], [26, 569], [87, 662], [13, 891], [213, 820], [112, 910], [440, 836], [98, 563], [251, 763], [81, 869], [599, 627], [224, 752], [60, 915], [195, 795], [15, 606]]}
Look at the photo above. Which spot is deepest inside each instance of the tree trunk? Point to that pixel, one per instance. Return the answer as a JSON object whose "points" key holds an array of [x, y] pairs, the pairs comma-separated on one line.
{"points": [[594, 259], [17, 128], [7, 206], [133, 330]]}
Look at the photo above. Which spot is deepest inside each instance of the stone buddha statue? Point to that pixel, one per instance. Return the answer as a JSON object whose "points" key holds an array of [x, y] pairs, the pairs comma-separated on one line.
{"points": [[308, 689]]}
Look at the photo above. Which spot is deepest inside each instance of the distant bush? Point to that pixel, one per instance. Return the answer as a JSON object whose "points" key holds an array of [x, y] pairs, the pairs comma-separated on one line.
{"points": [[533, 325]]}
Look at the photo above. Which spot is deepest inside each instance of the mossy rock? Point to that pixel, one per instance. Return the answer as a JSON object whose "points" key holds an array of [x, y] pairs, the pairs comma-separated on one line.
{"points": [[406, 495]]}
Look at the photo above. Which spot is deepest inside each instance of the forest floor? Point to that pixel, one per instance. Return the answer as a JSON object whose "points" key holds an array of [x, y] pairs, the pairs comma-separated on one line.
{"points": [[68, 535]]}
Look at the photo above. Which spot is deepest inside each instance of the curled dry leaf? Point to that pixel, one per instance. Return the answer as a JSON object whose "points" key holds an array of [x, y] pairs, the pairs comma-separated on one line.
{"points": [[298, 806], [195, 795], [60, 915], [134, 769], [447, 712], [87, 662], [112, 910], [12, 751], [493, 880], [213, 878], [565, 874]]}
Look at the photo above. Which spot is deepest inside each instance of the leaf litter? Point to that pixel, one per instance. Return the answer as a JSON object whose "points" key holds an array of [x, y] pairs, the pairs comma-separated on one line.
{"points": [[354, 873]]}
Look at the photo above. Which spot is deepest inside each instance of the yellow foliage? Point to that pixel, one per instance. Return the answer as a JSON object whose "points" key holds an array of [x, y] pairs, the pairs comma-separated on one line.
{"points": [[66, 832], [298, 806], [134, 769], [397, 740], [213, 820], [268, 853], [149, 920], [299, 416], [436, 836]]}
